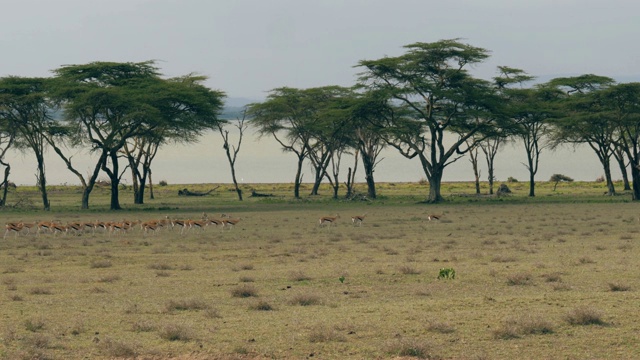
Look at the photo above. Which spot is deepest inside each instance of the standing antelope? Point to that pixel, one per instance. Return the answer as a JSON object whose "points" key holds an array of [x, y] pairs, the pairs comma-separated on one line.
{"points": [[328, 220], [358, 219]]}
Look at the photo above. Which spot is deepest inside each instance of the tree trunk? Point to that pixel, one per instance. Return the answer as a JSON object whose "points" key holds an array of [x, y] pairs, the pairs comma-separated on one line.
{"points": [[151, 196], [114, 176], [5, 187], [349, 185], [619, 155], [532, 184], [435, 183], [298, 179], [611, 191], [317, 181], [368, 163], [490, 171], [42, 182], [92, 180], [635, 177], [115, 202]]}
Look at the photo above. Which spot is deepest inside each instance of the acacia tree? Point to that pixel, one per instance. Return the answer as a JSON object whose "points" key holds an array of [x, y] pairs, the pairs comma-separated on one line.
{"points": [[587, 120], [187, 108], [529, 112], [433, 95], [24, 105], [490, 147], [286, 115], [7, 136], [106, 104], [368, 113], [622, 104], [233, 150]]}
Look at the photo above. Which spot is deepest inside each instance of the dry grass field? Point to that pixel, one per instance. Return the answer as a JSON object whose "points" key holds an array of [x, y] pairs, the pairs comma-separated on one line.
{"points": [[556, 277]]}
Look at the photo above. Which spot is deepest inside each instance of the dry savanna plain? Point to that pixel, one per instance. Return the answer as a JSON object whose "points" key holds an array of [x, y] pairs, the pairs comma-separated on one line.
{"points": [[550, 277]]}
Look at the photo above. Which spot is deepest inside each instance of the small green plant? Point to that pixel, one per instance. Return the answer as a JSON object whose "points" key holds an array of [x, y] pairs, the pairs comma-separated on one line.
{"points": [[447, 273], [341, 278], [163, 183]]}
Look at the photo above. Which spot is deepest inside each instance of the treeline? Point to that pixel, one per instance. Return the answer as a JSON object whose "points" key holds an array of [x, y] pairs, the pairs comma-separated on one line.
{"points": [[426, 104]]}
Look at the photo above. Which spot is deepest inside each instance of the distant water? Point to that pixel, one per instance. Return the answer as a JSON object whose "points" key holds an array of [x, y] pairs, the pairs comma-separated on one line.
{"points": [[262, 161]]}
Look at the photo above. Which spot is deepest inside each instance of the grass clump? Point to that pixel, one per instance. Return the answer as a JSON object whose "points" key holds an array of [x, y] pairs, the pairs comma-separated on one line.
{"points": [[441, 327], [244, 291], [34, 324], [519, 279], [585, 316], [262, 306], [298, 275], [305, 300], [100, 264], [322, 333], [184, 305], [414, 348], [118, 348], [525, 325], [616, 286], [40, 291], [176, 332]]}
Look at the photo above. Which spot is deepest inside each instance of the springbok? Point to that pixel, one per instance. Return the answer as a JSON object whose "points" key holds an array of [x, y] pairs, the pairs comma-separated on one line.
{"points": [[328, 220], [358, 219]]}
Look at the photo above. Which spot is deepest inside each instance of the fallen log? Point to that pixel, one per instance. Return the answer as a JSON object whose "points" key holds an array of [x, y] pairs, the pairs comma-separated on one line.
{"points": [[257, 194], [186, 192]]}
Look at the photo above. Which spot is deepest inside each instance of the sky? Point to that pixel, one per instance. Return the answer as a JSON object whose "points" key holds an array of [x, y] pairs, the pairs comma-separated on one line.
{"points": [[248, 47]]}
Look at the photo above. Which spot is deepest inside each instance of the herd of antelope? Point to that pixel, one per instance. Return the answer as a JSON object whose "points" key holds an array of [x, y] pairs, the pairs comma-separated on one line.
{"points": [[118, 227], [151, 226]]}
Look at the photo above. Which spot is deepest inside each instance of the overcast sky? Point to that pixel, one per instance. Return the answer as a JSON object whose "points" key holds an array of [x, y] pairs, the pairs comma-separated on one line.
{"points": [[248, 47]]}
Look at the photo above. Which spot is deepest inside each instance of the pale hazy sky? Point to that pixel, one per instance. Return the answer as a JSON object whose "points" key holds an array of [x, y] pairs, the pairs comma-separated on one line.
{"points": [[248, 47]]}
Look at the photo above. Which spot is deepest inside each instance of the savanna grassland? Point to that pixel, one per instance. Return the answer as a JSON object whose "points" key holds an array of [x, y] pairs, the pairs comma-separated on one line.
{"points": [[555, 277]]}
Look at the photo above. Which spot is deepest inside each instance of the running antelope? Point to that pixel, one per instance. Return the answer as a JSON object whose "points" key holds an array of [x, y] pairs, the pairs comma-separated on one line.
{"points": [[328, 220], [230, 223], [13, 227], [358, 219], [433, 217]]}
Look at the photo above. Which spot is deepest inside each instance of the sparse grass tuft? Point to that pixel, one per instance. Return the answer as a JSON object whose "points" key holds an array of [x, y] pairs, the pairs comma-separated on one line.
{"points": [[161, 266], [585, 316], [323, 333], [616, 286], [514, 328], [305, 300], [244, 291], [176, 332], [40, 291], [118, 348], [408, 270], [262, 306], [100, 264], [519, 279], [34, 324], [441, 327], [183, 305], [415, 348], [298, 275], [143, 326]]}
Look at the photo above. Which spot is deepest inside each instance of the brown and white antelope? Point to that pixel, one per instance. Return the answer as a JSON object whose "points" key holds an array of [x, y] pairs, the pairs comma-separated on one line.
{"points": [[434, 217], [358, 219], [15, 228], [328, 220], [229, 223]]}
